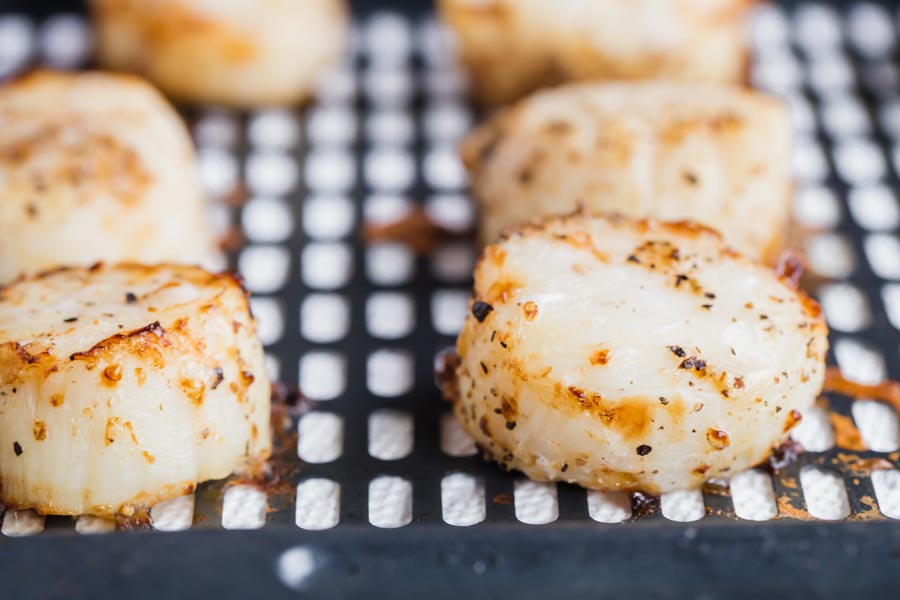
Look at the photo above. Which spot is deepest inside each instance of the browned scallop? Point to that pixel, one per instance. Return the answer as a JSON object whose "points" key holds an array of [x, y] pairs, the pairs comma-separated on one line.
{"points": [[126, 385], [631, 355], [718, 155], [96, 167], [513, 47], [242, 52]]}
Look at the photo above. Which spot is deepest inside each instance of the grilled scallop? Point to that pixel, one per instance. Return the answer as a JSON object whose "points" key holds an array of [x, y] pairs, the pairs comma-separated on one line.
{"points": [[237, 52], [631, 355], [123, 386], [513, 47], [719, 155], [95, 167]]}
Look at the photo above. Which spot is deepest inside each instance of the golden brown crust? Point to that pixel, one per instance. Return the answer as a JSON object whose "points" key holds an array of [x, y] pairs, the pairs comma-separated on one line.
{"points": [[130, 507]]}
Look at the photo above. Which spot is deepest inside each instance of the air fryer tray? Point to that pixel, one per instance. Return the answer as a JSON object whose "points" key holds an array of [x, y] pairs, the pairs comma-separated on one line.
{"points": [[391, 493]]}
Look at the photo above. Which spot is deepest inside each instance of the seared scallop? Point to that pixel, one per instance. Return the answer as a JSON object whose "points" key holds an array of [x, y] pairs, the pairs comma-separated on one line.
{"points": [[631, 355], [513, 47], [718, 155], [122, 386], [96, 167], [242, 52]]}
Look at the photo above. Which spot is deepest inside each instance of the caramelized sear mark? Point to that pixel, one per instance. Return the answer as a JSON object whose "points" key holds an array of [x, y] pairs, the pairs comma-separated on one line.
{"points": [[110, 434], [112, 375], [887, 391], [415, 229], [193, 389], [39, 429], [141, 341], [718, 439], [794, 417], [863, 466], [502, 291], [509, 408], [496, 255], [630, 417], [582, 240], [790, 268], [654, 254], [531, 310], [483, 425], [503, 499], [599, 357], [846, 435]]}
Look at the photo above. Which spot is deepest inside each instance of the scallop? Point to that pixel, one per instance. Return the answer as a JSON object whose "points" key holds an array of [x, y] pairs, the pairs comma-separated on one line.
{"points": [[122, 386], [513, 47], [631, 355], [96, 167], [715, 154], [242, 53]]}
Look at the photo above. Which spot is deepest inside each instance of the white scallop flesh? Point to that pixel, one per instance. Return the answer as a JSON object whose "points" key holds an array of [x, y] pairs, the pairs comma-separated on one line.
{"points": [[123, 386], [632, 355]]}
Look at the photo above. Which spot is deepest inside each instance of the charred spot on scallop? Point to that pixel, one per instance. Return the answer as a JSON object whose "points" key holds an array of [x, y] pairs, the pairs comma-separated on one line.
{"points": [[114, 408], [480, 310], [613, 377]]}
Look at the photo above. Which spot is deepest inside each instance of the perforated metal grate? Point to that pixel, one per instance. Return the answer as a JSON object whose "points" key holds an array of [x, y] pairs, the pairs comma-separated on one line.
{"points": [[358, 327]]}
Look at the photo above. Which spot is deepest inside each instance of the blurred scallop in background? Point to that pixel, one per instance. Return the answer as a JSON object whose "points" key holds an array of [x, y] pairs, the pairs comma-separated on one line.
{"points": [[513, 47], [96, 167], [241, 53]]}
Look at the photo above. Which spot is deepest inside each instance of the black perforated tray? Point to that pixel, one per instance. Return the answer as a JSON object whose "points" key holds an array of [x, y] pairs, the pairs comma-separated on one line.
{"points": [[719, 555]]}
